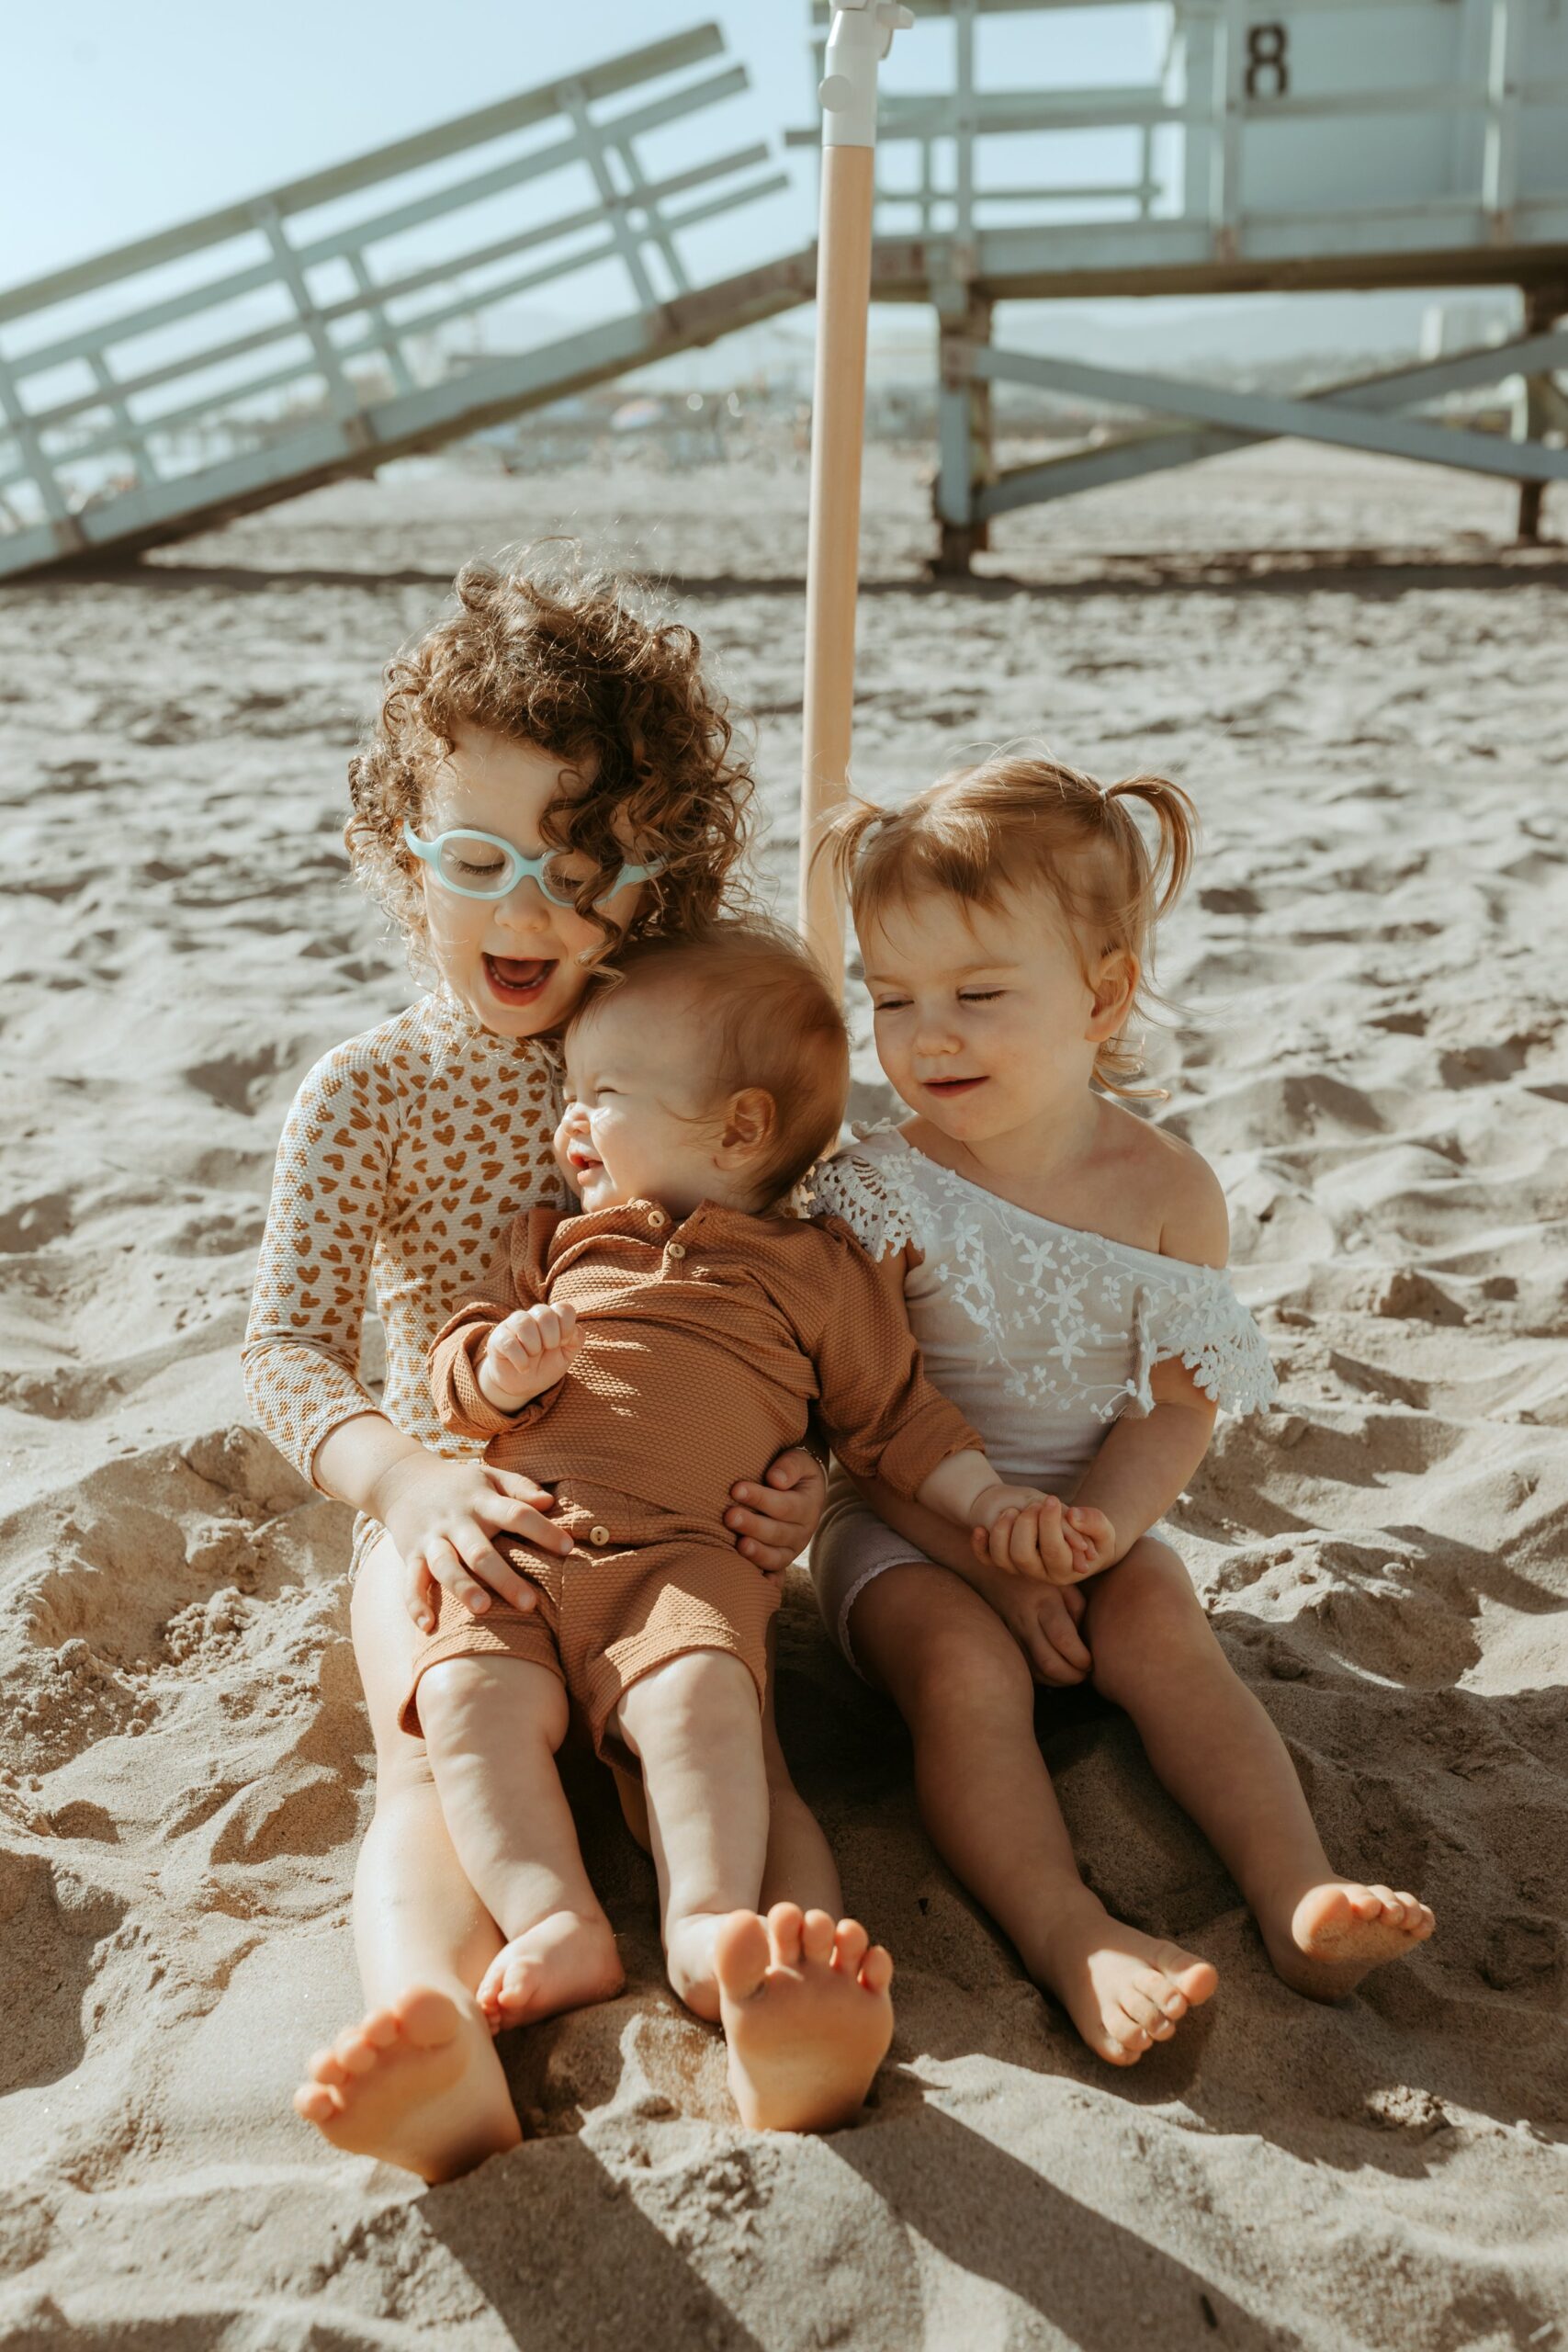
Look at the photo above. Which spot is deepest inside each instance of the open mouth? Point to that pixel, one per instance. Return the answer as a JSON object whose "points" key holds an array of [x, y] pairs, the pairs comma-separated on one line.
{"points": [[582, 1162], [517, 980], [947, 1087]]}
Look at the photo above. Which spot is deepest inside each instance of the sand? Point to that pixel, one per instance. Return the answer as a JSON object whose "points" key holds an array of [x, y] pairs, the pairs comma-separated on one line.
{"points": [[1367, 700]]}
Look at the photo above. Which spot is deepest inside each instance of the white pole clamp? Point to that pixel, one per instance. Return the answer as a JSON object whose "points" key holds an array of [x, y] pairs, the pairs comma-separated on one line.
{"points": [[860, 37]]}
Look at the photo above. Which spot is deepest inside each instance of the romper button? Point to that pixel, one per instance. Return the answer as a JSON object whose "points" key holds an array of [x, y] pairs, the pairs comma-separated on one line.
{"points": [[598, 1535], [657, 1217], [677, 1249]]}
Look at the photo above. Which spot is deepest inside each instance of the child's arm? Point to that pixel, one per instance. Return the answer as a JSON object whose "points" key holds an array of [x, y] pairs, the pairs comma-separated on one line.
{"points": [[1044, 1618], [886, 1421], [302, 1354], [879, 1412], [510, 1322], [966, 1489], [1144, 1464], [1020, 1529]]}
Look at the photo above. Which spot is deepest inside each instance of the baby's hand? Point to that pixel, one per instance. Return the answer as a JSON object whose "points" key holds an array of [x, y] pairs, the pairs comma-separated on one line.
{"points": [[1027, 1532], [1091, 1538], [526, 1354]]}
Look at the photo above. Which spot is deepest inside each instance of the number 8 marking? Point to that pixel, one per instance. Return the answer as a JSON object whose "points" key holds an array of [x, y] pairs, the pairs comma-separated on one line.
{"points": [[1268, 48]]}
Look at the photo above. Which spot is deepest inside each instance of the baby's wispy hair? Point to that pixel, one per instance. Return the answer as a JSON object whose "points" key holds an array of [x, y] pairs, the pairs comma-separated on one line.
{"points": [[768, 1020]]}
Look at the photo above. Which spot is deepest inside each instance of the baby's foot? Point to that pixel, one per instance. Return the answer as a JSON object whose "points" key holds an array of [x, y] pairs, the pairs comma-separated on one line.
{"points": [[1341, 1930], [564, 1963], [417, 2085], [807, 2015], [1125, 1991]]}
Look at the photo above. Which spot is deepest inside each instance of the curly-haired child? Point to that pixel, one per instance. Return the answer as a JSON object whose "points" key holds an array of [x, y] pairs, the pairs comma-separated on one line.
{"points": [[551, 774]]}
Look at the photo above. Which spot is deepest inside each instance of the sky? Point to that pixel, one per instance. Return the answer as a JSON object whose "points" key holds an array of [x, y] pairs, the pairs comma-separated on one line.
{"points": [[174, 107]]}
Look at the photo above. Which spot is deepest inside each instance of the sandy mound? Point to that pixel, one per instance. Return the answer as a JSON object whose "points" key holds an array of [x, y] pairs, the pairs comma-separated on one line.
{"points": [[1380, 1070]]}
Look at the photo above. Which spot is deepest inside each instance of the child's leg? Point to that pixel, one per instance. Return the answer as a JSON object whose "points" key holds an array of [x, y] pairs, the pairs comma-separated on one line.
{"points": [[494, 1726], [1214, 1747], [417, 2082], [804, 2003], [965, 1690], [800, 1866]]}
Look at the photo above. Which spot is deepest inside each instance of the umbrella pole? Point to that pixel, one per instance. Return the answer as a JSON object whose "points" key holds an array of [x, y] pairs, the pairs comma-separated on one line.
{"points": [[861, 35]]}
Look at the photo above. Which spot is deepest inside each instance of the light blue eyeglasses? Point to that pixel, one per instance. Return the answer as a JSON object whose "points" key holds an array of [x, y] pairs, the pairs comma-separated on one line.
{"points": [[481, 866]]}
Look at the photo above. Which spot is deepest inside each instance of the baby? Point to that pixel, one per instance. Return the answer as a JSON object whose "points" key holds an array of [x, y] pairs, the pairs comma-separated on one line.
{"points": [[638, 1357]]}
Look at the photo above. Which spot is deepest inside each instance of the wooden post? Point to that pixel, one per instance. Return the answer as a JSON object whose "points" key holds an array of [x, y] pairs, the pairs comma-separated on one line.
{"points": [[862, 31], [833, 559], [963, 430], [1537, 409]]}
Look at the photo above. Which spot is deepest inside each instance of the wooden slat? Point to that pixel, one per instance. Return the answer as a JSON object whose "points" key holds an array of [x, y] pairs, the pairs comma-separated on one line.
{"points": [[449, 137]]}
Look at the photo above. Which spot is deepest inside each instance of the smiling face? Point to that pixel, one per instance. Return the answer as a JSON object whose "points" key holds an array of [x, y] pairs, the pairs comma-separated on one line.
{"points": [[519, 963], [641, 1121], [985, 1019]]}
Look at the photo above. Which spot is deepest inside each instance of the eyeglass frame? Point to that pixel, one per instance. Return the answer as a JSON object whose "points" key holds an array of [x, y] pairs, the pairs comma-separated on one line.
{"points": [[520, 868]]}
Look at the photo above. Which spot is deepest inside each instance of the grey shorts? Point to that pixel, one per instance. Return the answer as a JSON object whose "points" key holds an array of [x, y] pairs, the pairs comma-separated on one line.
{"points": [[852, 1548]]}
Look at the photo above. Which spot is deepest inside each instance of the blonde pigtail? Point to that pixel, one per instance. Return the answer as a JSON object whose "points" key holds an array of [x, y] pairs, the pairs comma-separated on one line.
{"points": [[1174, 813]]}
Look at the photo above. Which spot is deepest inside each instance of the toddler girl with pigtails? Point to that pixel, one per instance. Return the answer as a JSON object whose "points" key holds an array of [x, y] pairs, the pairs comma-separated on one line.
{"points": [[1061, 1260], [551, 777]]}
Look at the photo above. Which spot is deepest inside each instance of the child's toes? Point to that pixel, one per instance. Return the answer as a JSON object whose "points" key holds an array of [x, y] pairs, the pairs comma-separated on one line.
{"points": [[876, 1969], [1125, 2041], [328, 2068], [357, 2054], [1141, 2002], [849, 1945], [315, 2102], [785, 1921], [817, 1938]]}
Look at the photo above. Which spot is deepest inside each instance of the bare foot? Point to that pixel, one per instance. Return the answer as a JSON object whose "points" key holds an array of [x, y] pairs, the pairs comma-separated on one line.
{"points": [[564, 1963], [417, 2085], [1125, 1991], [1341, 1930], [807, 2015]]}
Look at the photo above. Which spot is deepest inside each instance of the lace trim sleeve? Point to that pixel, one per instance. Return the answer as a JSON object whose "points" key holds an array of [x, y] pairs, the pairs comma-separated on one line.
{"points": [[861, 1186], [1202, 1323]]}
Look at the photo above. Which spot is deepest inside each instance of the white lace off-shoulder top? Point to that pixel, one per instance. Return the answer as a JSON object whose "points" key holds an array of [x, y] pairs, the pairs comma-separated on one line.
{"points": [[1041, 1334]]}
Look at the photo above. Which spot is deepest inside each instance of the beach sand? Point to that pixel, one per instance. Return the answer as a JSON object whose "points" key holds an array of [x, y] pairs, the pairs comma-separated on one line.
{"points": [[1367, 700]]}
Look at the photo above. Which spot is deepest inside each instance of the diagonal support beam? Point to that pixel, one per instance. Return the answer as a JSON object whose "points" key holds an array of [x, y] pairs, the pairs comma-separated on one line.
{"points": [[1158, 449], [65, 532], [1265, 416]]}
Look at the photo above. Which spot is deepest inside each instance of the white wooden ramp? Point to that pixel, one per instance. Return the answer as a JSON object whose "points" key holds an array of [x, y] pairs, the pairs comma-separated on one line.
{"points": [[284, 341]]}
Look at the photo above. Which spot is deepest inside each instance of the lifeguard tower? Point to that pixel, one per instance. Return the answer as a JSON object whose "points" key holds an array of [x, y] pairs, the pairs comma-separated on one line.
{"points": [[1281, 145], [292, 337]]}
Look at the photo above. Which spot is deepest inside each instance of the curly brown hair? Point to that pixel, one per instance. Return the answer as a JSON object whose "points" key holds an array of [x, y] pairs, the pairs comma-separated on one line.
{"points": [[569, 661]]}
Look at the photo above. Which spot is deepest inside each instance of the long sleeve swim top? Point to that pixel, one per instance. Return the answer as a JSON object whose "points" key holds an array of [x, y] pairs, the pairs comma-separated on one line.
{"points": [[406, 1155]]}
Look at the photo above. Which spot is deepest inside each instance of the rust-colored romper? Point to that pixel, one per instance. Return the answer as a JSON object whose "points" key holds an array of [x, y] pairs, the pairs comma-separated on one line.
{"points": [[704, 1346]]}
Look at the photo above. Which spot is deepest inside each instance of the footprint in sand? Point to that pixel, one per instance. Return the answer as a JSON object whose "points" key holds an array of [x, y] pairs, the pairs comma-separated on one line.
{"points": [[46, 1966], [33, 1225], [243, 1081]]}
